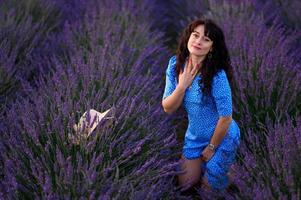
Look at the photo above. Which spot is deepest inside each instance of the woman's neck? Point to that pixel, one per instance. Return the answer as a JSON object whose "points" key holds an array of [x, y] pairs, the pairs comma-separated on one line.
{"points": [[197, 61]]}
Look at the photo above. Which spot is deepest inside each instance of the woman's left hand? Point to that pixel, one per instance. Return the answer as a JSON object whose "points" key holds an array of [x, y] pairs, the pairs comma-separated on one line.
{"points": [[207, 154]]}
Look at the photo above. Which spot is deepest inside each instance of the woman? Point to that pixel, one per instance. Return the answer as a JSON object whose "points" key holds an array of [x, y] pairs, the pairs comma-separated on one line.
{"points": [[199, 76]]}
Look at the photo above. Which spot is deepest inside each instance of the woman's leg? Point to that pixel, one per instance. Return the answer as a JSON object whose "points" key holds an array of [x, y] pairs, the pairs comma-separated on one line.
{"points": [[204, 183], [217, 169], [191, 172]]}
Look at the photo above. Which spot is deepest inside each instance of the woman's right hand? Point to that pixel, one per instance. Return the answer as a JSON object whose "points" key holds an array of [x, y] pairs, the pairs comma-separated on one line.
{"points": [[187, 75]]}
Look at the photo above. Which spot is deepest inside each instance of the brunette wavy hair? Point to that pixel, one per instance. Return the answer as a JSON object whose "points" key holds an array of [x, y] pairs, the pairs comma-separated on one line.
{"points": [[220, 58]]}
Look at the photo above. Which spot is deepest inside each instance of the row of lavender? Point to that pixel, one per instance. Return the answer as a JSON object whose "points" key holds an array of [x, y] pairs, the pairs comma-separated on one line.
{"points": [[103, 57], [67, 58]]}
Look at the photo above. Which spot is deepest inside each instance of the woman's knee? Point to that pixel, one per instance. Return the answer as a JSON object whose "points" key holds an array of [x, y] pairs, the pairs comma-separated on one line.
{"points": [[191, 172], [188, 182]]}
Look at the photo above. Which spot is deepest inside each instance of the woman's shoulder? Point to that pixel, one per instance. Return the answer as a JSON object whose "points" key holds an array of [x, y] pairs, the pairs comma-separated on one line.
{"points": [[172, 64], [220, 78], [173, 60], [220, 74]]}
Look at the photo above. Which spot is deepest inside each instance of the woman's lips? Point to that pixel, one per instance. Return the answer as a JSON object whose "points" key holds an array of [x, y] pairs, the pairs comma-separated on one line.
{"points": [[197, 47]]}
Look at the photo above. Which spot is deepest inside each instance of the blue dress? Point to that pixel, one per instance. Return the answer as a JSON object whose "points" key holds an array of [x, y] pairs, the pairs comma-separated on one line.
{"points": [[203, 117]]}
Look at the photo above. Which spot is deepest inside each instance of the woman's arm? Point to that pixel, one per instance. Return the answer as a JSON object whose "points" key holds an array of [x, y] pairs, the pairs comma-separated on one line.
{"points": [[221, 92], [220, 130], [219, 133], [171, 103]]}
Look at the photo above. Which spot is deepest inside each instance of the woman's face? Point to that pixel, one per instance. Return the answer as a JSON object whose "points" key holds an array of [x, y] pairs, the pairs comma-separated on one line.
{"points": [[198, 43]]}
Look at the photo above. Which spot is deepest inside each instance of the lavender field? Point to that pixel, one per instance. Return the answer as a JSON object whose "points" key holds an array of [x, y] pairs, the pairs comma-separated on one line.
{"points": [[60, 58]]}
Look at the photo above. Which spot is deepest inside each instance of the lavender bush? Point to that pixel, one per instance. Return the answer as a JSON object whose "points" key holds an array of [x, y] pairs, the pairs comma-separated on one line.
{"points": [[8, 84], [116, 62], [287, 12], [24, 27], [271, 171], [30, 35], [71, 11], [28, 38]]}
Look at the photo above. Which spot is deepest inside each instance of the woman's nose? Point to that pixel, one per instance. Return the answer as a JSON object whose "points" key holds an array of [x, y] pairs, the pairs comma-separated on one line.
{"points": [[199, 40]]}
